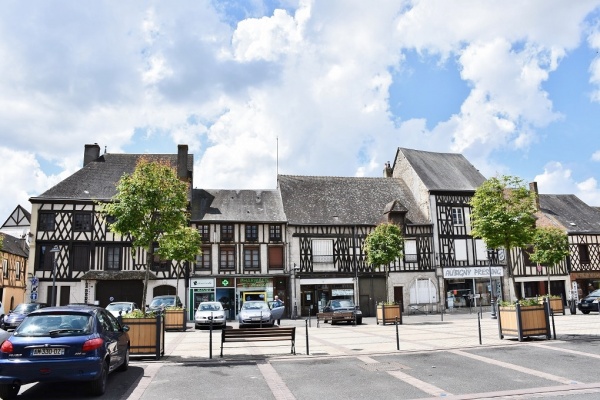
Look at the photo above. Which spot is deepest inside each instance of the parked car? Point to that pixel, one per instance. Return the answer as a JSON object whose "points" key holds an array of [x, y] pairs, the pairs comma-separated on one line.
{"points": [[159, 303], [117, 308], [590, 302], [62, 344], [254, 313], [344, 306], [210, 311], [14, 317]]}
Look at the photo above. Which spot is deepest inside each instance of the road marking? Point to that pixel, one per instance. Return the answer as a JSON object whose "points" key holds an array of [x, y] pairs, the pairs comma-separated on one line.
{"points": [[575, 352], [515, 367], [149, 374], [276, 384]]}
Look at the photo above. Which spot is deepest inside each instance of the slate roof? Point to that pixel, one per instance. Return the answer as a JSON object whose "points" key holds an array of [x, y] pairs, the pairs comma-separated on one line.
{"points": [[326, 200], [98, 179], [443, 171], [237, 205], [13, 245], [571, 212]]}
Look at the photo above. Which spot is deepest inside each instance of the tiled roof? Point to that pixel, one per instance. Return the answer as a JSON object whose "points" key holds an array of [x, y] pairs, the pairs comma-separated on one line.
{"points": [[13, 245], [443, 171], [98, 179], [571, 212], [236, 205], [325, 200]]}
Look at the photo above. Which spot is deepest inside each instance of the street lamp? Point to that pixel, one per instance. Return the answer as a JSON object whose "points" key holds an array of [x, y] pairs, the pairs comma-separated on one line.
{"points": [[492, 302], [54, 250]]}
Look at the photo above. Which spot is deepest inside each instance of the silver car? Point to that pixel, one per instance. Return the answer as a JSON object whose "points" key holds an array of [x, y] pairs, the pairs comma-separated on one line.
{"points": [[117, 308], [255, 313], [210, 311]]}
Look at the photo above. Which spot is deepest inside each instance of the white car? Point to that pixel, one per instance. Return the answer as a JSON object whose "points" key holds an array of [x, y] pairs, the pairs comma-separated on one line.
{"points": [[121, 307], [255, 313], [210, 311]]}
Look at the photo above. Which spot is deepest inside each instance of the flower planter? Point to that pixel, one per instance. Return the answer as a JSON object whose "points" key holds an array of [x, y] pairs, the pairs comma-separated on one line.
{"points": [[175, 320], [524, 321], [387, 314], [556, 304], [146, 335]]}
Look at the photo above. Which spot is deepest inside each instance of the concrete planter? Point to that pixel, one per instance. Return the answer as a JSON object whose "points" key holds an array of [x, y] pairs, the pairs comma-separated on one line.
{"points": [[524, 321], [147, 336], [387, 314]]}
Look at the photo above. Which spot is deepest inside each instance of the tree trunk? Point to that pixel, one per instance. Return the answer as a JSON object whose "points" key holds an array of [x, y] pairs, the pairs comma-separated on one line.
{"points": [[149, 260]]}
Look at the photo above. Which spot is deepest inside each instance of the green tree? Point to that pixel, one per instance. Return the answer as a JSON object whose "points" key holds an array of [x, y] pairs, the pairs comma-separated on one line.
{"points": [[383, 245], [502, 215], [151, 206], [550, 247]]}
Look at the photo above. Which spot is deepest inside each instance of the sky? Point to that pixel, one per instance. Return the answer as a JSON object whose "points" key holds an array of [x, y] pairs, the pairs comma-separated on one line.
{"points": [[300, 87]]}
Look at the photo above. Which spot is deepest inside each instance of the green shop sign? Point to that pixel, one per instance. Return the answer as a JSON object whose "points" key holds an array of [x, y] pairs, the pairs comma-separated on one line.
{"points": [[253, 282]]}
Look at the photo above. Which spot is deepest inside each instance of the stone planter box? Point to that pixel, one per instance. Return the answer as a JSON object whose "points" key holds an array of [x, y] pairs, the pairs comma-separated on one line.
{"points": [[387, 314], [147, 336], [556, 305], [524, 321], [175, 320]]}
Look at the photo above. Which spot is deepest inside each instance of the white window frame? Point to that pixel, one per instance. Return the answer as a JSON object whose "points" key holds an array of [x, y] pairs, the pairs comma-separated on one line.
{"points": [[481, 252], [458, 217], [460, 250], [17, 269], [5, 267], [322, 250]]}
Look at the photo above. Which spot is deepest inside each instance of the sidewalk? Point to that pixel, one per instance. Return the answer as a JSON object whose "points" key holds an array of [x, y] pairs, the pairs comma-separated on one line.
{"points": [[417, 333]]}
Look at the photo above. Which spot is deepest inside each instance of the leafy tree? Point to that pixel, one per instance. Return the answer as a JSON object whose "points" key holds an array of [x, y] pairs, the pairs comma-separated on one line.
{"points": [[1, 241], [502, 215], [151, 206], [383, 245], [550, 247]]}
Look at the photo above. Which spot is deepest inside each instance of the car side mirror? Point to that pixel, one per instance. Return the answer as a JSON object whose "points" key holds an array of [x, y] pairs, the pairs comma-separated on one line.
{"points": [[125, 328]]}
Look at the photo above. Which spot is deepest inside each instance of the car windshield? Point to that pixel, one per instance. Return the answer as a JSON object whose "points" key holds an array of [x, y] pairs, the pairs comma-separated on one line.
{"points": [[342, 304], [124, 307], [255, 305], [210, 307], [163, 301], [25, 308], [55, 324], [595, 293]]}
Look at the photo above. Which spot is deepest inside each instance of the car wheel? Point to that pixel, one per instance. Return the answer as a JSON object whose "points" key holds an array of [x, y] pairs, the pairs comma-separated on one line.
{"points": [[9, 391], [196, 326], [98, 387], [358, 321], [123, 367], [586, 311]]}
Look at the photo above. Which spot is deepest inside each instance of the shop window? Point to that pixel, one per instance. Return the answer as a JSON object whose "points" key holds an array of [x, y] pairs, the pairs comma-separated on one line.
{"points": [[276, 257], [322, 251], [227, 259], [46, 221], [82, 222], [113, 258], [584, 255], [410, 250], [460, 250], [252, 258], [251, 233], [457, 216], [226, 233], [203, 260], [80, 259]]}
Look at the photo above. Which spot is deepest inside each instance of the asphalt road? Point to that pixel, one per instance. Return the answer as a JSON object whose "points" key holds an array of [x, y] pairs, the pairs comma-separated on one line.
{"points": [[362, 362]]}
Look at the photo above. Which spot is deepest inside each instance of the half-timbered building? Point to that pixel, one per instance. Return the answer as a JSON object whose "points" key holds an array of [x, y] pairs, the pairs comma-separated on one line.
{"points": [[13, 278]]}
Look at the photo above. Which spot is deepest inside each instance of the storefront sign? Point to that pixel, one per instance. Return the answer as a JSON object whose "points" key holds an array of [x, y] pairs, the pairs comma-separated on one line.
{"points": [[342, 292], [473, 272], [253, 282], [585, 275], [202, 282]]}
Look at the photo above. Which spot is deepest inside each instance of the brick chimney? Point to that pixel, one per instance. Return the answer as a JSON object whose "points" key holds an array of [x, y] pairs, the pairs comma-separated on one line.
{"points": [[91, 153], [533, 188], [182, 159]]}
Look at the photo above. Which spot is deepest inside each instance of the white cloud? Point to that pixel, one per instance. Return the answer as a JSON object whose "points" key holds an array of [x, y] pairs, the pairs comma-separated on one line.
{"points": [[558, 179], [594, 43]]}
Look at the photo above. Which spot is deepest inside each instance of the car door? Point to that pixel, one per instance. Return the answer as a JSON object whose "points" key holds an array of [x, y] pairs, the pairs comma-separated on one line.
{"points": [[111, 333]]}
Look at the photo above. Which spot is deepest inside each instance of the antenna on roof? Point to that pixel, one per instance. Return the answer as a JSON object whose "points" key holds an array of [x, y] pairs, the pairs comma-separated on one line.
{"points": [[277, 159], [104, 149]]}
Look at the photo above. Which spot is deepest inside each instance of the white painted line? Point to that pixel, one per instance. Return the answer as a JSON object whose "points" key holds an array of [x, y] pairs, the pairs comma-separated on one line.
{"points": [[276, 384], [419, 384]]}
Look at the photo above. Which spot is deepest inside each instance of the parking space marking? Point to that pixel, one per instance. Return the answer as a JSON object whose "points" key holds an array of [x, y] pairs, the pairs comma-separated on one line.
{"points": [[518, 368], [276, 384], [575, 352], [149, 374]]}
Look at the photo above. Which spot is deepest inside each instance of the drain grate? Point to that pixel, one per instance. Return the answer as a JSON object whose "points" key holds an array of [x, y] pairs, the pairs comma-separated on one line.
{"points": [[384, 366]]}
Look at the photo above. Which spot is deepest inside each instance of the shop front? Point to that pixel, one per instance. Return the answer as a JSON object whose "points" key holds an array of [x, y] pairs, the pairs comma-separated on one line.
{"points": [[472, 286], [587, 282], [316, 292], [201, 289]]}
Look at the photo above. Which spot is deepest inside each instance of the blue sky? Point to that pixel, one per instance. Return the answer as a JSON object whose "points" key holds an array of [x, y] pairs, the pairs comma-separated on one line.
{"points": [[330, 87]]}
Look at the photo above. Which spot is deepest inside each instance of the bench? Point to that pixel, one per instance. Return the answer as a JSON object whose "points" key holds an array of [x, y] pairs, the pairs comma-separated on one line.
{"points": [[422, 308], [335, 317], [258, 335]]}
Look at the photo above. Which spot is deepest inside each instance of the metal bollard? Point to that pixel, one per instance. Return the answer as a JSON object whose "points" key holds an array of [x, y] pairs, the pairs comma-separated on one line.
{"points": [[307, 349], [210, 336], [479, 325], [397, 335]]}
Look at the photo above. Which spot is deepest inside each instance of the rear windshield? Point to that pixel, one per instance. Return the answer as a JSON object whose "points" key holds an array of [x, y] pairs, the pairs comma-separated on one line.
{"points": [[55, 324], [26, 308]]}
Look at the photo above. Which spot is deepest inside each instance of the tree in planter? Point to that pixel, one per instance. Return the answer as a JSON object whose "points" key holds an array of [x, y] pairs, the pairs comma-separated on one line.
{"points": [[383, 245], [502, 214], [151, 206], [550, 247]]}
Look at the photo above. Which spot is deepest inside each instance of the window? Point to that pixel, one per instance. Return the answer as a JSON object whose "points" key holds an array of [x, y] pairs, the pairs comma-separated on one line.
{"points": [[526, 256], [276, 257], [251, 258], [109, 220], [158, 263], [18, 269], [80, 258], [322, 251], [275, 233], [45, 258], [204, 231], [481, 250], [457, 216], [46, 221], [410, 250], [227, 258], [584, 254], [113, 258], [251, 233], [5, 267], [460, 250], [227, 233], [203, 260], [82, 222]]}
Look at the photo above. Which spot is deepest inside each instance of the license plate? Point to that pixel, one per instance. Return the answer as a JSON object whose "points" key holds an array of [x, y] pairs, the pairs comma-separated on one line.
{"points": [[255, 318], [584, 305], [48, 352]]}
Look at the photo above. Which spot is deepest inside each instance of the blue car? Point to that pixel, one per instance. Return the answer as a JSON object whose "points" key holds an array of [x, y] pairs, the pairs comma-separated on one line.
{"points": [[14, 317], [60, 344]]}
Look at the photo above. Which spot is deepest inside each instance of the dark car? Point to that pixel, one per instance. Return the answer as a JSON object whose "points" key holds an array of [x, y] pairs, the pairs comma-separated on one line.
{"points": [[159, 303], [344, 305], [62, 344], [14, 317], [590, 302]]}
